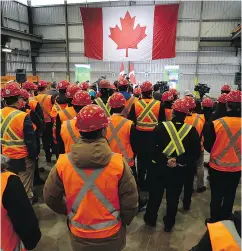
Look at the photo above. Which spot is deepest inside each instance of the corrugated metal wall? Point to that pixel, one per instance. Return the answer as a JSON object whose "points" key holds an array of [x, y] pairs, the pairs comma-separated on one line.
{"points": [[15, 16], [216, 65]]}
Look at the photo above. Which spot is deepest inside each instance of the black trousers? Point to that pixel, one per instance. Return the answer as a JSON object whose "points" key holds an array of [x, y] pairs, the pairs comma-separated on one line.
{"points": [[188, 184], [171, 180], [47, 140], [223, 189]]}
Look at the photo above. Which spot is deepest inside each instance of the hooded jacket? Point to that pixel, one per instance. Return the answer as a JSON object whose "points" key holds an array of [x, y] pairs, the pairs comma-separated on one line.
{"points": [[95, 154]]}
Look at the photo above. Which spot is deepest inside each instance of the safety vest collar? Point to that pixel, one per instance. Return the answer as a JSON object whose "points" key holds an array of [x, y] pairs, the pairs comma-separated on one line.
{"points": [[176, 138], [71, 133], [114, 136], [90, 185], [231, 144], [128, 106]]}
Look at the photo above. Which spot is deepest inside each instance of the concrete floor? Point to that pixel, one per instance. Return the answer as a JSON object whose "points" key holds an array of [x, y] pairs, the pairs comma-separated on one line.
{"points": [[187, 232]]}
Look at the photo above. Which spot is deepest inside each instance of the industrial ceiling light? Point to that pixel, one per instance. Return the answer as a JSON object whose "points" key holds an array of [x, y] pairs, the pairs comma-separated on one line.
{"points": [[6, 50]]}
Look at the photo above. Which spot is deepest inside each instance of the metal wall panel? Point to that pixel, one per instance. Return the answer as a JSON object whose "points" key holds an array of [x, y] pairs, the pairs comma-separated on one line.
{"points": [[76, 46], [74, 14], [50, 32], [49, 15], [23, 13], [76, 31], [189, 9], [15, 43], [10, 9], [51, 67], [221, 9], [186, 45], [13, 24], [185, 28], [217, 29], [24, 27], [51, 59]]}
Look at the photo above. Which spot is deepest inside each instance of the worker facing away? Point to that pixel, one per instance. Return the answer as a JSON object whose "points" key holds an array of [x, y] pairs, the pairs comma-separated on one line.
{"points": [[92, 177], [19, 231], [123, 86], [46, 102], [69, 133], [18, 138], [175, 147], [167, 99], [223, 142], [105, 92], [145, 113]]}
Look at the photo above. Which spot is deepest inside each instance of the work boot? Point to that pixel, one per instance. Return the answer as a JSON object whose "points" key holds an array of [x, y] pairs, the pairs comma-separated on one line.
{"points": [[186, 207], [168, 224], [149, 222], [201, 189], [142, 203], [34, 200]]}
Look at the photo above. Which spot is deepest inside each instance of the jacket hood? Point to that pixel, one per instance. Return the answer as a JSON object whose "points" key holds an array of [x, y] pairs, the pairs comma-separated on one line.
{"points": [[126, 95], [89, 153]]}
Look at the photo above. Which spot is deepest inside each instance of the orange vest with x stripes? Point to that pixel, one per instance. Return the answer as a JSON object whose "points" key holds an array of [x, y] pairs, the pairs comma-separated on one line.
{"points": [[226, 152], [118, 136], [90, 189], [128, 105], [69, 134], [46, 105], [147, 113], [67, 114], [12, 133]]}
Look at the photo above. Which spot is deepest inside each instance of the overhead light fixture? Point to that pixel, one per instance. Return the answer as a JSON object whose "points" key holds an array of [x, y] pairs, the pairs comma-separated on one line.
{"points": [[6, 50]]}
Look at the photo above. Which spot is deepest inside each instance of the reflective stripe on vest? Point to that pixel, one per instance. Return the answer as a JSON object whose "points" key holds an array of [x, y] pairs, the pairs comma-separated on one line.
{"points": [[147, 111], [67, 114], [114, 136], [176, 138], [232, 143], [5, 128], [224, 236], [90, 185], [57, 107], [73, 137], [106, 107], [126, 109], [196, 121], [42, 104]]}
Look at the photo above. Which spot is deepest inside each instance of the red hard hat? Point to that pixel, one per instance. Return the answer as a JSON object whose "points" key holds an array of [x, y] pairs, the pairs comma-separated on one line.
{"points": [[223, 98], [63, 84], [123, 82], [226, 88], [104, 84], [42, 83], [207, 102], [117, 100], [98, 95], [137, 91], [91, 118], [81, 98], [234, 96], [113, 87], [24, 94], [174, 91], [84, 86], [29, 86], [191, 101], [71, 90], [146, 86], [167, 96], [181, 105], [11, 90]]}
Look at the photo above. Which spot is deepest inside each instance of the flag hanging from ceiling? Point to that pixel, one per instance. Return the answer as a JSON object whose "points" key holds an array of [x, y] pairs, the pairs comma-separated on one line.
{"points": [[132, 33], [131, 74]]}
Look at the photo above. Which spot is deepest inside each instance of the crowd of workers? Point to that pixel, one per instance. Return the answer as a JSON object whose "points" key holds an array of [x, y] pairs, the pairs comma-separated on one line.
{"points": [[97, 138]]}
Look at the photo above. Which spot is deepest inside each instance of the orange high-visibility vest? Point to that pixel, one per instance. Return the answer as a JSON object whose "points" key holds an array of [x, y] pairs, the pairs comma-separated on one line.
{"points": [[128, 105], [56, 108], [224, 236], [46, 105], [106, 107], [118, 136], [168, 113], [10, 241], [69, 134], [32, 104], [28, 112], [147, 113], [67, 113], [226, 152], [92, 197], [196, 121], [12, 133]]}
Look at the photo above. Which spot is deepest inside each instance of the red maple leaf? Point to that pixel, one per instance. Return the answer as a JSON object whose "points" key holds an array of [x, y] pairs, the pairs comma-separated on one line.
{"points": [[128, 37]]}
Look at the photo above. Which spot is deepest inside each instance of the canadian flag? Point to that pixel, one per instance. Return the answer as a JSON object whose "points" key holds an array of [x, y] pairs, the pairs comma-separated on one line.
{"points": [[121, 73], [131, 74], [130, 33]]}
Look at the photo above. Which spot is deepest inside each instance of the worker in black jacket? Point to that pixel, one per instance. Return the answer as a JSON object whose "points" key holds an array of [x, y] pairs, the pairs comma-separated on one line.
{"points": [[19, 225], [175, 147], [145, 113], [220, 110]]}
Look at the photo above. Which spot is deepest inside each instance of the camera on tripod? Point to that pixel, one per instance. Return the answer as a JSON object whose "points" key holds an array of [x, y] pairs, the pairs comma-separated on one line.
{"points": [[202, 89], [162, 86]]}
